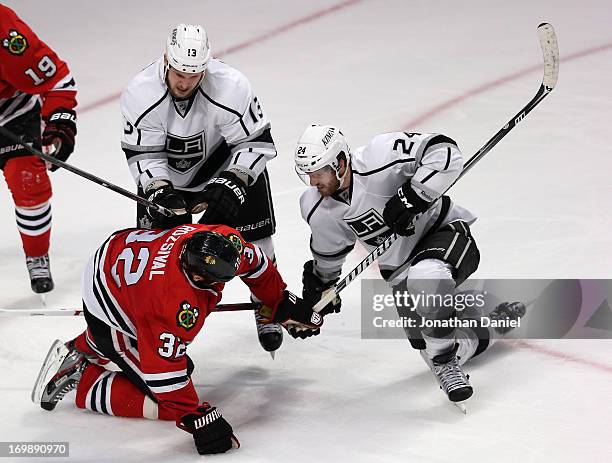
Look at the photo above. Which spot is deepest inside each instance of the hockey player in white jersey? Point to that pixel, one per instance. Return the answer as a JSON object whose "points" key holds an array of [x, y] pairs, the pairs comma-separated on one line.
{"points": [[197, 140], [391, 185]]}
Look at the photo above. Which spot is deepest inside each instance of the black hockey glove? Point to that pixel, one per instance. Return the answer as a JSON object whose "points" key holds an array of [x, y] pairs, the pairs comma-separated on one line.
{"points": [[314, 289], [296, 316], [402, 208], [165, 195], [224, 195], [59, 134], [211, 433]]}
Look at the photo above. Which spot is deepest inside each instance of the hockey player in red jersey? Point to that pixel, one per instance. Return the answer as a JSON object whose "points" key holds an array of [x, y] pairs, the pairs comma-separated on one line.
{"points": [[35, 84], [146, 295]]}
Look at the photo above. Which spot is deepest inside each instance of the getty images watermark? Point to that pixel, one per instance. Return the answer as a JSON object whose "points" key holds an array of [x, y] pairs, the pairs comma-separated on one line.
{"points": [[527, 309]]}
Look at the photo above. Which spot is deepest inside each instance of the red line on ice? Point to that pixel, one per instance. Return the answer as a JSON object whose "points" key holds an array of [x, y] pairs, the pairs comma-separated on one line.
{"points": [[246, 44], [439, 108], [560, 355]]}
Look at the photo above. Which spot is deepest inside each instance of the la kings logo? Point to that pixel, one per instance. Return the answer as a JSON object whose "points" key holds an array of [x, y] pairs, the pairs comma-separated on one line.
{"points": [[369, 227], [185, 152]]}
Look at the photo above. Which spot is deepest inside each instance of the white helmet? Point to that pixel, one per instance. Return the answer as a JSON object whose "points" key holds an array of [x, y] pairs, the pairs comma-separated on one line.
{"points": [[187, 48], [318, 147]]}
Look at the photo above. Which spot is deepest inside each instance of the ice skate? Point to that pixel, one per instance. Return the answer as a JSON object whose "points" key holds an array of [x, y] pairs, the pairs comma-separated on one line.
{"points": [[60, 373], [270, 334], [40, 274], [507, 311], [453, 381]]}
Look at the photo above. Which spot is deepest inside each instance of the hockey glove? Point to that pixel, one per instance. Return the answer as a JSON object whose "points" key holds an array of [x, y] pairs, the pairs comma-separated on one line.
{"points": [[314, 289], [58, 136], [401, 210], [296, 316], [165, 195], [211, 433], [223, 197]]}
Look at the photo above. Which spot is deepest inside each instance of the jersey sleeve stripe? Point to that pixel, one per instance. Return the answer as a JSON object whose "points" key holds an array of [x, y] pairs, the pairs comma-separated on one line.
{"points": [[156, 377], [380, 169], [233, 111], [162, 388], [332, 255], [314, 208], [104, 297], [256, 161], [141, 148], [149, 109], [431, 174], [448, 157]]}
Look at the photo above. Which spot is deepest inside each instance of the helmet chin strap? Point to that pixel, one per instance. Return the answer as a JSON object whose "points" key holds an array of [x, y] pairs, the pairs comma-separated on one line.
{"points": [[337, 172]]}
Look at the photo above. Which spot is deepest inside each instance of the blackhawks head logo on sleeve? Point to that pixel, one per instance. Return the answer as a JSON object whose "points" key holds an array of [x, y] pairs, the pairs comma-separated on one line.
{"points": [[15, 43], [187, 316]]}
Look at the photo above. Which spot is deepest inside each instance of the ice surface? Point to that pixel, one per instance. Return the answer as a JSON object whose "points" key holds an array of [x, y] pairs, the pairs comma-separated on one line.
{"points": [[543, 196]]}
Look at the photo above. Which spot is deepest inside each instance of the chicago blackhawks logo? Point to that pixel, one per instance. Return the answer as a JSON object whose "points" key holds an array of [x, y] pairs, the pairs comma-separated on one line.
{"points": [[15, 43], [187, 316], [236, 241]]}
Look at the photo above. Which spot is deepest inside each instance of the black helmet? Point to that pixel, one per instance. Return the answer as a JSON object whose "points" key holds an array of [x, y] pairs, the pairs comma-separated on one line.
{"points": [[210, 256]]}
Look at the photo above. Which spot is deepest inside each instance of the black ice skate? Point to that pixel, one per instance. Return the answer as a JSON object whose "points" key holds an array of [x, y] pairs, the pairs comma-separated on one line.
{"points": [[507, 311], [270, 334], [453, 381], [60, 373], [40, 274]]}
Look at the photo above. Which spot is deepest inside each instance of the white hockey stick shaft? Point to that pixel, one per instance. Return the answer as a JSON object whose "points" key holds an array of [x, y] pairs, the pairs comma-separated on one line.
{"points": [[550, 52]]}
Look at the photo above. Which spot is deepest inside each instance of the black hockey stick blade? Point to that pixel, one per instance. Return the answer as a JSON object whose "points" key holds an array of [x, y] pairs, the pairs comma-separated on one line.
{"points": [[75, 170]]}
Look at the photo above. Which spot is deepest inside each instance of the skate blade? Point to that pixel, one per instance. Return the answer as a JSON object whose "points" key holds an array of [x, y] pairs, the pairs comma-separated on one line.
{"points": [[461, 406], [43, 299], [272, 354], [55, 357]]}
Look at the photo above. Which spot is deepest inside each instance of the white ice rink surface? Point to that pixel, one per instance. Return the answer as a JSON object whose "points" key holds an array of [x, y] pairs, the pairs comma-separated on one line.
{"points": [[543, 197]]}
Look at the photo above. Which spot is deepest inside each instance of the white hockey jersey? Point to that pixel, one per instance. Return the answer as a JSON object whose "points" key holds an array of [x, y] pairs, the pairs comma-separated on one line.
{"points": [[188, 142], [431, 161]]}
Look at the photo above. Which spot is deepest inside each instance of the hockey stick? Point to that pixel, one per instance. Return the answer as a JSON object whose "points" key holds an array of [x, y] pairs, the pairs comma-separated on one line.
{"points": [[78, 312], [75, 170], [550, 52]]}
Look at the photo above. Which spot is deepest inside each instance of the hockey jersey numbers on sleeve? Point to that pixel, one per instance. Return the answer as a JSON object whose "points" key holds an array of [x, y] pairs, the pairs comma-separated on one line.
{"points": [[429, 161]]}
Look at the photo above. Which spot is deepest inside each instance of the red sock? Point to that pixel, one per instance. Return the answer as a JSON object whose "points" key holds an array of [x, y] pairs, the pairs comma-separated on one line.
{"points": [[112, 393]]}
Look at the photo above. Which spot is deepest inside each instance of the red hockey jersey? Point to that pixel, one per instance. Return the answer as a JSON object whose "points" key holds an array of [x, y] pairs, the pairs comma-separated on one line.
{"points": [[135, 284], [29, 69]]}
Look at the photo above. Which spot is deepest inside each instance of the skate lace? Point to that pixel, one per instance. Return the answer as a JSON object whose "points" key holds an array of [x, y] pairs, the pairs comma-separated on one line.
{"points": [[264, 328], [64, 390], [38, 267], [450, 375]]}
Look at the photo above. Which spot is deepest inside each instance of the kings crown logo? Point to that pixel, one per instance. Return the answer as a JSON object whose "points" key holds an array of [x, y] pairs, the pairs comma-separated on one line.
{"points": [[15, 43]]}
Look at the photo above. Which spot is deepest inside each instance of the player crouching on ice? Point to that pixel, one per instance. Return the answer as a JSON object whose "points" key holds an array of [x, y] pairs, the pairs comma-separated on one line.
{"points": [[146, 294], [391, 185]]}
